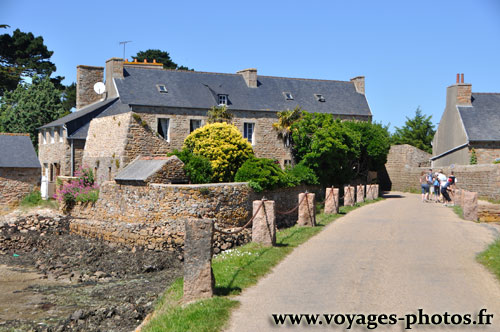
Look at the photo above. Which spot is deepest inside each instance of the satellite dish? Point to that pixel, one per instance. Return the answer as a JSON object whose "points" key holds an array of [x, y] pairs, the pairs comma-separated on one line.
{"points": [[99, 88]]}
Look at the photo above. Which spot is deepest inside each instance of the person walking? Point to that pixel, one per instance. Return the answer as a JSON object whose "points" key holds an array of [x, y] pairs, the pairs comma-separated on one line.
{"points": [[435, 183], [425, 186]]}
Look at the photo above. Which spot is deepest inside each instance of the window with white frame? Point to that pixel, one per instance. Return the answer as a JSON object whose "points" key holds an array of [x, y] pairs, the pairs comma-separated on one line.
{"points": [[194, 124], [248, 131], [288, 95], [51, 135], [222, 99], [44, 137], [61, 134], [163, 128], [287, 163]]}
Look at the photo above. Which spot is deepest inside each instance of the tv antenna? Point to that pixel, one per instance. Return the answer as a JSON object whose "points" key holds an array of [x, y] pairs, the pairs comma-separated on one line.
{"points": [[124, 43]]}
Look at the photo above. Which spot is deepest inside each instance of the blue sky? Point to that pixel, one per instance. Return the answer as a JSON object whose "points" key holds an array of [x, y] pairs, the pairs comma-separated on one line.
{"points": [[409, 51]]}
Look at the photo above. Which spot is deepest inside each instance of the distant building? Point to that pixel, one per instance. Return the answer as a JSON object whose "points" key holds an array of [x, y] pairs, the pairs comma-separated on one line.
{"points": [[149, 111], [19, 168], [470, 120]]}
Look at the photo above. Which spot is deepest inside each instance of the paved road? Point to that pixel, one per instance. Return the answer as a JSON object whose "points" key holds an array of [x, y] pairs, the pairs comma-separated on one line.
{"points": [[395, 256]]}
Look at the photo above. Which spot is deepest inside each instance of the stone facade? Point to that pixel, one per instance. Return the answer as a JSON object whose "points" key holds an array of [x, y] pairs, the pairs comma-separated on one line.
{"points": [[86, 77], [17, 182], [486, 152], [55, 150]]}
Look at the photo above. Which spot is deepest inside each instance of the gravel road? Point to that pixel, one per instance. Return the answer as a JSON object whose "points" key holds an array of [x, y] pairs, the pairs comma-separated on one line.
{"points": [[392, 257]]}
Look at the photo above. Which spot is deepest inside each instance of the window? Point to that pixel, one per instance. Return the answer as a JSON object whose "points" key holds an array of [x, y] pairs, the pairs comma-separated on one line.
{"points": [[44, 137], [319, 97], [194, 124], [287, 163], [51, 135], [222, 99], [162, 88], [288, 95], [248, 130], [61, 134], [163, 124]]}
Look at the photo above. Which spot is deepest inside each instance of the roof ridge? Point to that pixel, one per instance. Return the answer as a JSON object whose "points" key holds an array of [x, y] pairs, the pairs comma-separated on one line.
{"points": [[235, 74], [15, 134], [486, 93]]}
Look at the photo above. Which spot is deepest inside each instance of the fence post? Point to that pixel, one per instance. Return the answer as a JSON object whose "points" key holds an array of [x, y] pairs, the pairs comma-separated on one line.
{"points": [[376, 191], [307, 211], [199, 279], [470, 205], [332, 200], [360, 195], [348, 196], [264, 223]]}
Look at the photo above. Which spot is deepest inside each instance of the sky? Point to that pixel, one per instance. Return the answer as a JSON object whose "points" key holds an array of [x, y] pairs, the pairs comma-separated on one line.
{"points": [[408, 51]]}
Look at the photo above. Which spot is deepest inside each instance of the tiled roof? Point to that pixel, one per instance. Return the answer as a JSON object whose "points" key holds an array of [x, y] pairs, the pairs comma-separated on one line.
{"points": [[140, 169], [199, 90], [482, 120], [16, 150]]}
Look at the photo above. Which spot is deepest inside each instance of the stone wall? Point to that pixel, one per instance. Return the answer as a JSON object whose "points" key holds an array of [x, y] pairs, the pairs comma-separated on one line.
{"points": [[55, 153], [15, 183], [487, 152], [399, 161], [86, 77], [483, 179]]}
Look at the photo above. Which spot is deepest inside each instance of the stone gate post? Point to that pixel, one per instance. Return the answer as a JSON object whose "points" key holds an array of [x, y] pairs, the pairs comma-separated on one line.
{"points": [[199, 279], [307, 211], [360, 193], [332, 200], [348, 196], [264, 223]]}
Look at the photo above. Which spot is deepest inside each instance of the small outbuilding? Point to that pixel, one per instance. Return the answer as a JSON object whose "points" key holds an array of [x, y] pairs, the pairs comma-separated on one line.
{"points": [[144, 170], [19, 168]]}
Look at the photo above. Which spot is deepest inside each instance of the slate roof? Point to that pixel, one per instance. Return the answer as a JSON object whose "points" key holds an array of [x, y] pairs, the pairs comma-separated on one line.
{"points": [[482, 120], [199, 90], [140, 169], [17, 151], [78, 119]]}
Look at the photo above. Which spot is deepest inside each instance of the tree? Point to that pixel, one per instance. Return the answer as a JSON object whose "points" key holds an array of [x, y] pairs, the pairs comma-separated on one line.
{"points": [[223, 145], [160, 57], [69, 97], [418, 131], [23, 54], [30, 106], [219, 114], [327, 146], [284, 124]]}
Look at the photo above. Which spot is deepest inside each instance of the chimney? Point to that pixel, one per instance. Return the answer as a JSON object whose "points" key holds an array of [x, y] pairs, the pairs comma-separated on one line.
{"points": [[114, 69], [250, 76], [359, 84], [86, 77], [464, 92]]}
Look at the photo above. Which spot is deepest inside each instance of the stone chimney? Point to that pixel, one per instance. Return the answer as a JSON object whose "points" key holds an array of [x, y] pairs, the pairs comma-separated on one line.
{"points": [[86, 77], [114, 69], [250, 76], [464, 91], [359, 84]]}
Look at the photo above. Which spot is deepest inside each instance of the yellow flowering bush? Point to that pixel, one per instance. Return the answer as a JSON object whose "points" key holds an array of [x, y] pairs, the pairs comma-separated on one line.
{"points": [[223, 145]]}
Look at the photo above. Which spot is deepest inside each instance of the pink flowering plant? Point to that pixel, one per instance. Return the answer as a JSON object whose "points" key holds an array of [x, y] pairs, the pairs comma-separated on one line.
{"points": [[83, 189]]}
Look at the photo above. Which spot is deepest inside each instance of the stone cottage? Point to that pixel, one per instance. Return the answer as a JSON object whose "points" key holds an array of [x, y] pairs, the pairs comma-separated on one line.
{"points": [[471, 120], [19, 168], [148, 111]]}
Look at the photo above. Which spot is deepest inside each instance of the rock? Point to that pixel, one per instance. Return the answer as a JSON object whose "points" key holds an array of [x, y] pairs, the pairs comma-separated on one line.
{"points": [[77, 315]]}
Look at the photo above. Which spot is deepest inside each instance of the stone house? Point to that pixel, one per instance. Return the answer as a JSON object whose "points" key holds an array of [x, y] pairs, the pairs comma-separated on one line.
{"points": [[149, 111], [19, 168], [471, 120]]}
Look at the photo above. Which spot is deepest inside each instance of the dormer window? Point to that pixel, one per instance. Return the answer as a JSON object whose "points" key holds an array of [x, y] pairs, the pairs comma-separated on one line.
{"points": [[288, 95], [161, 88], [319, 97], [222, 99]]}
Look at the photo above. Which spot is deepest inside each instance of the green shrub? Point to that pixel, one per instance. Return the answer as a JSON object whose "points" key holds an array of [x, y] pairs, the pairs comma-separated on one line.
{"points": [[473, 157], [264, 172], [90, 196], [301, 174], [223, 145], [197, 168], [34, 198]]}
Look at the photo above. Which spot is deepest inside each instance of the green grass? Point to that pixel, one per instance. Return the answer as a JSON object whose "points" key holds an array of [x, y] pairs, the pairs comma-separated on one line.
{"points": [[458, 210], [491, 200], [34, 199], [234, 270], [491, 258]]}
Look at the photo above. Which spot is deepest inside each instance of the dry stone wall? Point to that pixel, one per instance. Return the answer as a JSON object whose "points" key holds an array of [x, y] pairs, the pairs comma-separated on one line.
{"points": [[15, 183]]}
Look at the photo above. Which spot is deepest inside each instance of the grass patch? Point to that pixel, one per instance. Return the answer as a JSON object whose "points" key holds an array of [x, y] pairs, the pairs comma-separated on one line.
{"points": [[458, 210], [234, 270], [491, 258], [34, 199], [488, 199]]}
